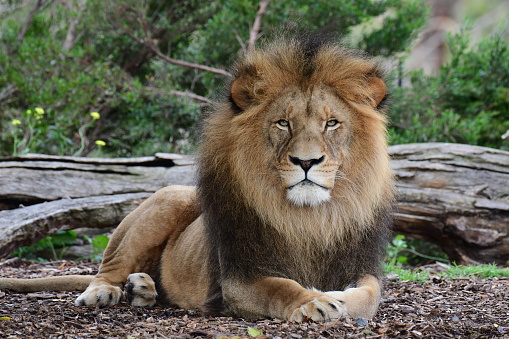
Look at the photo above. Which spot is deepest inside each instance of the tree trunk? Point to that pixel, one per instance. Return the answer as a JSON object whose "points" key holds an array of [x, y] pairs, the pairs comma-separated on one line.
{"points": [[456, 196]]}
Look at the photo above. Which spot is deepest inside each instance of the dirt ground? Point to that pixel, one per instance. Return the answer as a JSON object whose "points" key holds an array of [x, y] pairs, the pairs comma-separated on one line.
{"points": [[441, 308]]}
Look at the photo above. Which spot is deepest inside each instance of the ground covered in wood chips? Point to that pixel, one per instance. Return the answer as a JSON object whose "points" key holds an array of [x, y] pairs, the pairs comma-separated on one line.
{"points": [[441, 308]]}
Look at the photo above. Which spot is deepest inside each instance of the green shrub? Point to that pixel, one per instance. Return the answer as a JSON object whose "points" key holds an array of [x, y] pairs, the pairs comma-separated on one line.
{"points": [[412, 252], [107, 71], [67, 85], [467, 102], [57, 244]]}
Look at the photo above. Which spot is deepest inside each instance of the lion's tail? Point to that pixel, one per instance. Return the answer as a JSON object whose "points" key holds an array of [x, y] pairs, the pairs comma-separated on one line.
{"points": [[60, 283]]}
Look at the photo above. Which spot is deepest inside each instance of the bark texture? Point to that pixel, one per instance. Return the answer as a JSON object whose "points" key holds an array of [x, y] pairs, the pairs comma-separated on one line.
{"points": [[25, 226], [456, 196], [35, 178]]}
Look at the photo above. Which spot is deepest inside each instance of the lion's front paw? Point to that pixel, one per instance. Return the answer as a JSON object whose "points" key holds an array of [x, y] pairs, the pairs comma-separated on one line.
{"points": [[100, 296], [322, 308], [140, 290]]}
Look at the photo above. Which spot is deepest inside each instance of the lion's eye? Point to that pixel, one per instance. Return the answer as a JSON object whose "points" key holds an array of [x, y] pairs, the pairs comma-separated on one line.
{"points": [[283, 124], [333, 123]]}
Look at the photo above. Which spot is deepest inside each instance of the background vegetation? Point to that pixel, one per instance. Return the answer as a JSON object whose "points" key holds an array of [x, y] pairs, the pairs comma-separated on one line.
{"points": [[467, 102], [76, 57], [72, 58]]}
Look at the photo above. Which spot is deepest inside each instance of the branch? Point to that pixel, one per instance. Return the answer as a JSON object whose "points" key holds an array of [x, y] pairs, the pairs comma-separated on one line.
{"points": [[9, 90], [29, 19], [150, 45], [158, 52], [253, 34], [190, 95], [71, 31]]}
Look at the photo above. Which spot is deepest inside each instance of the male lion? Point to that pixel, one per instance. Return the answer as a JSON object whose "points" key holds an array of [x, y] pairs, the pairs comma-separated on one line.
{"points": [[291, 215]]}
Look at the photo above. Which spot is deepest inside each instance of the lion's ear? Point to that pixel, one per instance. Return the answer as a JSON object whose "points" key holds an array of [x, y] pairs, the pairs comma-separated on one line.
{"points": [[242, 92], [378, 91]]}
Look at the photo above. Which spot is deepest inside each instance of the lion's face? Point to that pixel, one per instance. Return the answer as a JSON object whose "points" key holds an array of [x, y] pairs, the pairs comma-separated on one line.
{"points": [[309, 133], [301, 141]]}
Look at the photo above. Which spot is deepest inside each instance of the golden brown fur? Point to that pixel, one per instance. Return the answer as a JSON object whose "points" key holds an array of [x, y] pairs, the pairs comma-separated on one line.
{"points": [[293, 198]]}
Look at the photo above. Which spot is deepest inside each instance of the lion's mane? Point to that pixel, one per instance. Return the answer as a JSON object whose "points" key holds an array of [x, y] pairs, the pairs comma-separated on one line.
{"points": [[253, 229]]}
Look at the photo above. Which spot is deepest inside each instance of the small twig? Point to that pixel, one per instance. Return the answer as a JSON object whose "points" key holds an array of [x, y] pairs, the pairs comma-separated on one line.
{"points": [[182, 94], [241, 43], [253, 34]]}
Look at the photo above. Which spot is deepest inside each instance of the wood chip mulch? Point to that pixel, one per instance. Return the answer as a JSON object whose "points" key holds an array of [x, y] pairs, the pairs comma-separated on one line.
{"points": [[441, 308]]}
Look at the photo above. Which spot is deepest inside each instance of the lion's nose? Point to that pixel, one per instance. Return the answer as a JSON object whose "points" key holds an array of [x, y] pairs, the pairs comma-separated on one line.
{"points": [[306, 164]]}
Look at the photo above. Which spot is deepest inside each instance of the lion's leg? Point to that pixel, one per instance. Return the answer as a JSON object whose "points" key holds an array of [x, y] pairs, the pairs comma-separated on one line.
{"points": [[361, 301], [137, 243], [280, 298], [286, 299], [185, 273]]}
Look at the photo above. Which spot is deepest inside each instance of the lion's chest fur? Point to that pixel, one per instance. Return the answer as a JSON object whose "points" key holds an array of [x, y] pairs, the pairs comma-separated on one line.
{"points": [[248, 248]]}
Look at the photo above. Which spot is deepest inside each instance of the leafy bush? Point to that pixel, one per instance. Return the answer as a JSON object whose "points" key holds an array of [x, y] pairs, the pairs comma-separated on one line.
{"points": [[57, 244], [107, 71], [67, 85], [467, 102], [412, 252]]}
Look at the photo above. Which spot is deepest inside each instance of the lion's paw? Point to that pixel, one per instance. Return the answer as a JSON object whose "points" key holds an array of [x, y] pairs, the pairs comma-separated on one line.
{"points": [[140, 290], [322, 308], [100, 296]]}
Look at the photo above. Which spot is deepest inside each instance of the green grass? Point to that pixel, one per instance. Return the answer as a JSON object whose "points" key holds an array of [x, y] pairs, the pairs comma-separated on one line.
{"points": [[482, 271], [454, 271], [407, 274]]}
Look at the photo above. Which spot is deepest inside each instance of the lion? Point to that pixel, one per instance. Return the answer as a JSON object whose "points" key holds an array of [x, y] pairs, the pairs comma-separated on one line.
{"points": [[291, 214]]}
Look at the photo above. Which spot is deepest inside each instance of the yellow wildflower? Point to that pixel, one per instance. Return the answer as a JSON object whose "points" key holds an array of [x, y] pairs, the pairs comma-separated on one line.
{"points": [[100, 143], [16, 122], [95, 115], [28, 112], [39, 111]]}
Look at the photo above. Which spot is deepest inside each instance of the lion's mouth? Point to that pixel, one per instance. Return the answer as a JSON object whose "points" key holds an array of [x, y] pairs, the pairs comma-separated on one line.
{"points": [[307, 193], [307, 182]]}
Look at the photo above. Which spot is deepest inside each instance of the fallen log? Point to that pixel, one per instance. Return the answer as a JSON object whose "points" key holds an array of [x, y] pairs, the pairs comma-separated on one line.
{"points": [[456, 196], [35, 178], [27, 225]]}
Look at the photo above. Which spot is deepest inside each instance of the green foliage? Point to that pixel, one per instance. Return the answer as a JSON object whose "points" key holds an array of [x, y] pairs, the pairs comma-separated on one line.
{"points": [[412, 252], [404, 253], [99, 244], [467, 102], [108, 68], [65, 84], [396, 32], [58, 243]]}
